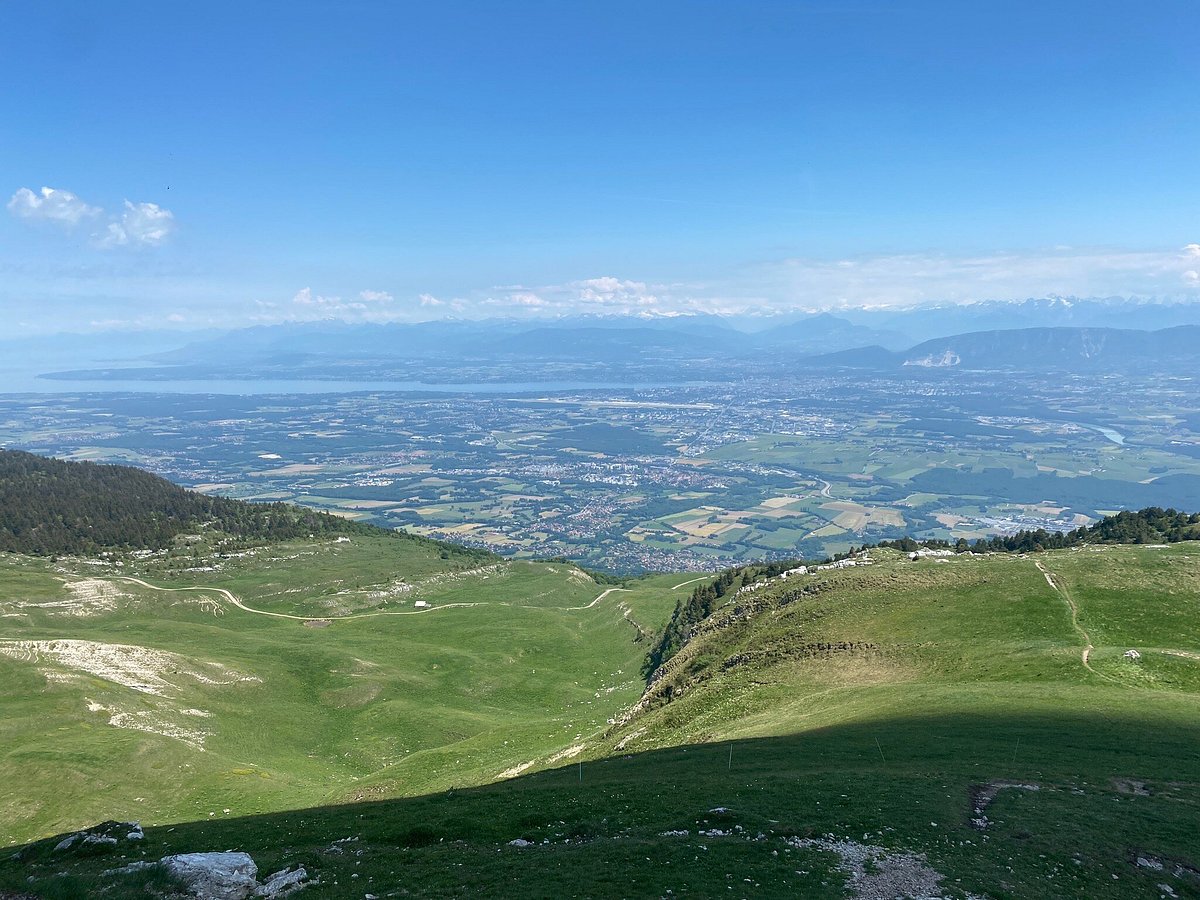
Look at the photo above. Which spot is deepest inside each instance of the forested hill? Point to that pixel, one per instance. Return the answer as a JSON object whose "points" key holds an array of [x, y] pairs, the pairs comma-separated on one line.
{"points": [[48, 506]]}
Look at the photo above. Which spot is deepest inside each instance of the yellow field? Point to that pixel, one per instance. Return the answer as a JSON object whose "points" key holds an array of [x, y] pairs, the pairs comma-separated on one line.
{"points": [[293, 469], [464, 528], [777, 502], [950, 519], [853, 516]]}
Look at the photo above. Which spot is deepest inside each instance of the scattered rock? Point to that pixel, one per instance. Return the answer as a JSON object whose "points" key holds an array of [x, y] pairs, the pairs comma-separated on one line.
{"points": [[876, 873], [1131, 786], [139, 866], [520, 842], [214, 876], [1175, 867], [1132, 654], [983, 794], [100, 838], [283, 883]]}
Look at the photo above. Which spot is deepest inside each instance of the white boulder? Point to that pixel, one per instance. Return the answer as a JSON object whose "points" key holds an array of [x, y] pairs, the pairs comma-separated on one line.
{"points": [[214, 876]]}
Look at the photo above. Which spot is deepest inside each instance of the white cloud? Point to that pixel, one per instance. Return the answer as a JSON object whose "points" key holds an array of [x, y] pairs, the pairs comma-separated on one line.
{"points": [[51, 205], [610, 291], [1192, 251], [306, 297], [376, 296], [606, 294], [141, 224], [367, 306], [138, 225], [526, 299]]}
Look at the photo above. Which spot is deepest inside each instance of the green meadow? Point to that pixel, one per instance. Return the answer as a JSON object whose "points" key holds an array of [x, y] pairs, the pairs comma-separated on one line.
{"points": [[940, 713], [306, 698]]}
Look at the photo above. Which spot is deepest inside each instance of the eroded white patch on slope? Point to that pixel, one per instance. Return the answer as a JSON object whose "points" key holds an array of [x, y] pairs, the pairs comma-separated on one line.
{"points": [[142, 669]]}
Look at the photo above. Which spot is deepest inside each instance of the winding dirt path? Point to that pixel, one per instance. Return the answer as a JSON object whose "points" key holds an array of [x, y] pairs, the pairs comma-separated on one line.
{"points": [[1061, 589], [597, 600], [414, 612], [692, 581], [277, 615]]}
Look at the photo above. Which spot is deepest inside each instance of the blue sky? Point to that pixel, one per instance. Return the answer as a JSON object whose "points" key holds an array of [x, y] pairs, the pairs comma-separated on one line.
{"points": [[216, 163]]}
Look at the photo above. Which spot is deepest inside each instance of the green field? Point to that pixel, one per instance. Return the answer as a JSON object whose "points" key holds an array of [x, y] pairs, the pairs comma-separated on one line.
{"points": [[862, 707], [222, 708], [626, 481]]}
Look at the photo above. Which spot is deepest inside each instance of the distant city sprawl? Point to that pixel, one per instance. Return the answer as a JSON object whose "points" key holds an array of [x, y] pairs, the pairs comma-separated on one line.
{"points": [[669, 478]]}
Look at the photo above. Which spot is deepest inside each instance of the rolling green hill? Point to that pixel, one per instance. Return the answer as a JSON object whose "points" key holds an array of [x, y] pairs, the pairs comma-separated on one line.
{"points": [[296, 673], [959, 726]]}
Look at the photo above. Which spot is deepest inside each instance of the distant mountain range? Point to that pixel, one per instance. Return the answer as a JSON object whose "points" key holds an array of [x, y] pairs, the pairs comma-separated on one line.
{"points": [[1036, 350], [1048, 334], [597, 338], [926, 322]]}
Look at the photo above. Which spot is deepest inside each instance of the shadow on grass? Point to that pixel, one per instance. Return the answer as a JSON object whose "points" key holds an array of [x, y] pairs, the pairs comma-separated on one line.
{"points": [[599, 828]]}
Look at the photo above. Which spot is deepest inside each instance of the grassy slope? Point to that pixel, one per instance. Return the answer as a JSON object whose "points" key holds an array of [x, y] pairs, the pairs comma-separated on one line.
{"points": [[964, 672], [396, 703]]}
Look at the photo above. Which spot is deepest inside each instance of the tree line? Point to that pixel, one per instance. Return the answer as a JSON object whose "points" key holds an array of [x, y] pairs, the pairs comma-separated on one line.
{"points": [[699, 605], [1152, 525]]}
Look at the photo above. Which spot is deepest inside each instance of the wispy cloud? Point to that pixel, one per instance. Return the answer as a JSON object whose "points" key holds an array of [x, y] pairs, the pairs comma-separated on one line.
{"points": [[137, 225], [915, 279], [145, 292], [892, 280], [375, 296], [307, 305], [605, 294]]}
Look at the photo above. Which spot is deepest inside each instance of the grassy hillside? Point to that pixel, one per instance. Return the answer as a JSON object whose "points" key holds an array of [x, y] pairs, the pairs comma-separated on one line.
{"points": [[942, 710], [296, 674]]}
